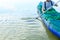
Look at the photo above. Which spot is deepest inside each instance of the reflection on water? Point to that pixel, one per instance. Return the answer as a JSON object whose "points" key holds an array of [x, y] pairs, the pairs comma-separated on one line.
{"points": [[24, 29]]}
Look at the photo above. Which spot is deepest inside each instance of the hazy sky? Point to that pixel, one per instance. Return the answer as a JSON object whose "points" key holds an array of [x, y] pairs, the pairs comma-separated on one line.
{"points": [[20, 7], [17, 4]]}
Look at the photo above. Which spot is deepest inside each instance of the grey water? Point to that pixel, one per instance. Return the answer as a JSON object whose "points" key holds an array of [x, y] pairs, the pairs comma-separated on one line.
{"points": [[24, 29]]}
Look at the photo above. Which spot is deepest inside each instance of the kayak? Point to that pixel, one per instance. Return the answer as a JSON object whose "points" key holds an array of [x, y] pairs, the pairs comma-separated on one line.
{"points": [[51, 19]]}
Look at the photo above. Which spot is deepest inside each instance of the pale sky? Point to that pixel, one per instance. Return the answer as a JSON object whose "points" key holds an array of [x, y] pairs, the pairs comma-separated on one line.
{"points": [[12, 4], [19, 6]]}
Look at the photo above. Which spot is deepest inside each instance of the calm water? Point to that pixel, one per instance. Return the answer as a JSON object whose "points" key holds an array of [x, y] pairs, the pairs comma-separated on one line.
{"points": [[14, 28]]}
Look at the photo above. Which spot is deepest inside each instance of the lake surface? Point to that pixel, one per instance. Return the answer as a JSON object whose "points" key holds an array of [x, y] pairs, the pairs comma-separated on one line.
{"points": [[15, 28]]}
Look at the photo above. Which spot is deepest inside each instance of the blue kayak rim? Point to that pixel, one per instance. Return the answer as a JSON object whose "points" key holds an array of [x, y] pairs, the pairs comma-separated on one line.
{"points": [[50, 29]]}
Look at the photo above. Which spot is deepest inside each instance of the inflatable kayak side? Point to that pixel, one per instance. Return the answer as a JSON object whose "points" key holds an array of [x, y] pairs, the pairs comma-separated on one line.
{"points": [[47, 23], [50, 28]]}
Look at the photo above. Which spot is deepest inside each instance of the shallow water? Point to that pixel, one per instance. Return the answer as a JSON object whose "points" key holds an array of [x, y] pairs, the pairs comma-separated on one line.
{"points": [[24, 29]]}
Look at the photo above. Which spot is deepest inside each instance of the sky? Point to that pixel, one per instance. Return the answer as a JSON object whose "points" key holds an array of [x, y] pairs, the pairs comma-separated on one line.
{"points": [[19, 7]]}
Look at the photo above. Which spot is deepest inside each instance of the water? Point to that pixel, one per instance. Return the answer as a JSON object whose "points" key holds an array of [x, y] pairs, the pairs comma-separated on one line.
{"points": [[15, 28]]}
